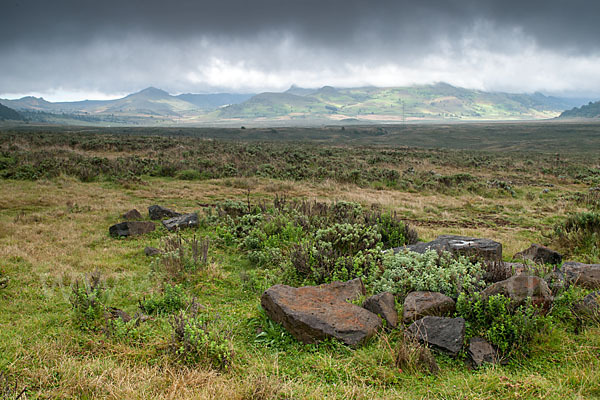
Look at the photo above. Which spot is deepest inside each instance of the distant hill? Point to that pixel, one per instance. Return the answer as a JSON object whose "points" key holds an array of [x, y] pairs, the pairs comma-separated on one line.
{"points": [[591, 110], [415, 103], [299, 106], [7, 113]]}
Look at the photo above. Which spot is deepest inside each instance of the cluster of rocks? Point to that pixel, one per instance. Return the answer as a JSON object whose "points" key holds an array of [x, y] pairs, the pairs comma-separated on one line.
{"points": [[313, 313], [172, 220]]}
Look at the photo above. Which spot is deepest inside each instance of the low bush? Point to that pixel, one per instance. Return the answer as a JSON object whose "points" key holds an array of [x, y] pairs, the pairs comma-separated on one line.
{"points": [[407, 271], [494, 318], [199, 340], [87, 301], [171, 300]]}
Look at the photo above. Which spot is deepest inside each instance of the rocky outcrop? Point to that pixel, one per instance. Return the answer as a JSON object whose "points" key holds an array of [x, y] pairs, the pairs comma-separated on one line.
{"points": [[583, 275], [131, 228], [445, 334], [539, 254], [181, 222], [480, 352], [421, 304], [132, 215], [384, 305], [521, 287], [483, 249], [313, 313], [158, 212]]}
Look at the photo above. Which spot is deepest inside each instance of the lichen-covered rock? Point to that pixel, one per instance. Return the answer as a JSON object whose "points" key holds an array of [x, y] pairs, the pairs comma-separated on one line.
{"points": [[483, 249], [445, 334], [539, 254], [313, 313], [421, 304], [181, 222], [131, 228], [384, 305], [521, 287], [158, 212], [584, 275]]}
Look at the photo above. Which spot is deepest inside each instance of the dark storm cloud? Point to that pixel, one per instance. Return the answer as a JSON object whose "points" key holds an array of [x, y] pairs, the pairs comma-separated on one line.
{"points": [[573, 24], [115, 46]]}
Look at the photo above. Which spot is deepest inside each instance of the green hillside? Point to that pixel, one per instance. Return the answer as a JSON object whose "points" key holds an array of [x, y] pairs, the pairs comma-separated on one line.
{"points": [[416, 103], [7, 113], [591, 110]]}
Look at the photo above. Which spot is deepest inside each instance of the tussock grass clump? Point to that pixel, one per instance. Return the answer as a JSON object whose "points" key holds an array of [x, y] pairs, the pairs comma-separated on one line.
{"points": [[579, 236]]}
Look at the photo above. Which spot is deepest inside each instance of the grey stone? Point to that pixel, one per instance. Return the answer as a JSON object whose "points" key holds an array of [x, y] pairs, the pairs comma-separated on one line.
{"points": [[181, 222], [158, 212], [313, 313], [445, 334], [151, 251], [384, 305], [584, 275], [589, 306], [484, 249], [131, 228], [539, 254], [421, 304], [481, 352]]}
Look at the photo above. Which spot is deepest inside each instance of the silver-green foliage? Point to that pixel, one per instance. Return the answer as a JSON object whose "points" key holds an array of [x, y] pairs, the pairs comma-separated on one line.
{"points": [[407, 271]]}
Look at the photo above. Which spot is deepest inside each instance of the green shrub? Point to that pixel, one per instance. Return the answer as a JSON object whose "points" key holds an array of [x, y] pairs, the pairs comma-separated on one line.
{"points": [[189, 175], [495, 319], [407, 271], [87, 300], [197, 339], [171, 300]]}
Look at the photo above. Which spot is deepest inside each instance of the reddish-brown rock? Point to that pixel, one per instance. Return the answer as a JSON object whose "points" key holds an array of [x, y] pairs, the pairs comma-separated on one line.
{"points": [[131, 228], [539, 254], [313, 313], [384, 305], [132, 214]]}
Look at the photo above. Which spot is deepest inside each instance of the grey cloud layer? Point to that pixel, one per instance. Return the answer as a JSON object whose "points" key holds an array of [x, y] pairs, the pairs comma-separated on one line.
{"points": [[119, 45]]}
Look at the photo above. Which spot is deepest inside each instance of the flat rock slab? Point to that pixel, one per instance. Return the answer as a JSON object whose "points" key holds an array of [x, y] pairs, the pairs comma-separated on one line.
{"points": [[445, 334], [181, 222], [159, 212], [539, 254], [314, 313], [131, 228], [484, 249], [384, 305], [521, 287], [584, 275], [421, 304], [481, 352]]}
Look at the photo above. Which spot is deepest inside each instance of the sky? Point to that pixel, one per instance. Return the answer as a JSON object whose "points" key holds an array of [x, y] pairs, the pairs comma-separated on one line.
{"points": [[67, 50]]}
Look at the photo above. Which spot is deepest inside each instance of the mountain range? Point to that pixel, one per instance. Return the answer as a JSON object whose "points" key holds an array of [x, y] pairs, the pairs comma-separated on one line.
{"points": [[299, 106], [590, 110]]}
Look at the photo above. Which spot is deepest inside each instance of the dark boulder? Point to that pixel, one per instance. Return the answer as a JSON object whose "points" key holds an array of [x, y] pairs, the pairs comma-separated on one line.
{"points": [[313, 313], [539, 254], [158, 212], [481, 352], [181, 222], [445, 334], [131, 228], [132, 215], [584, 275], [521, 287], [384, 305], [483, 249], [421, 304]]}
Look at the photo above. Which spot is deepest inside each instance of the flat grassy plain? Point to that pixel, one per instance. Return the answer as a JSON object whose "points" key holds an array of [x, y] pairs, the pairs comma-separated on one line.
{"points": [[62, 188]]}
